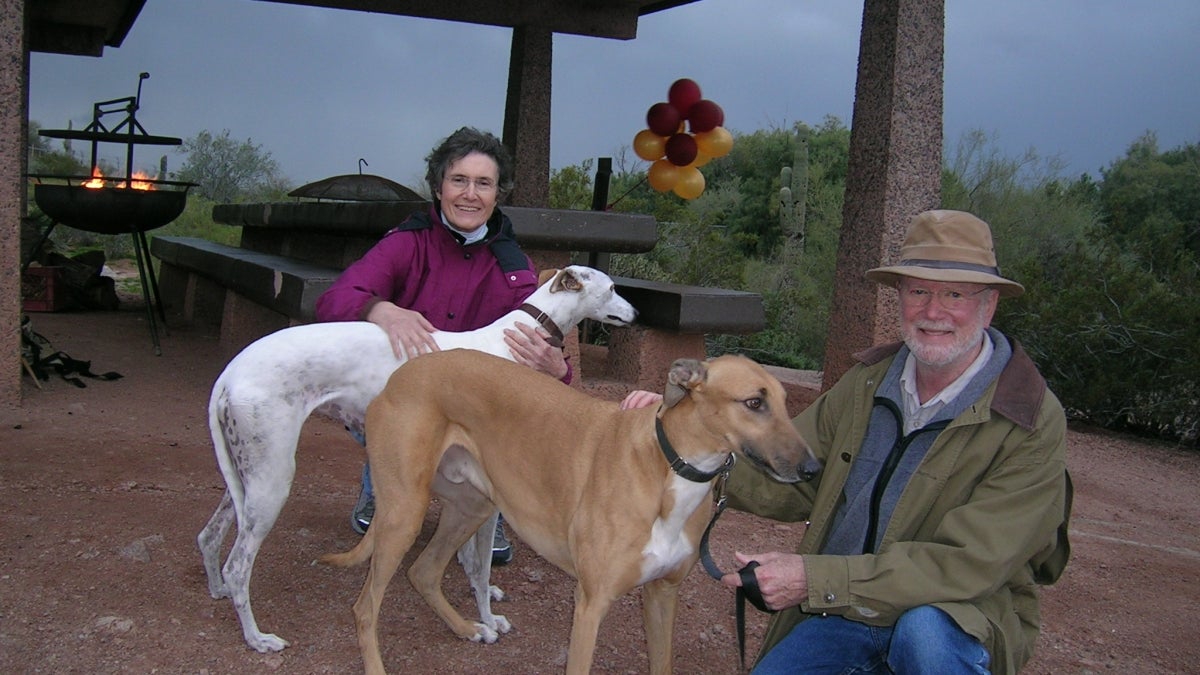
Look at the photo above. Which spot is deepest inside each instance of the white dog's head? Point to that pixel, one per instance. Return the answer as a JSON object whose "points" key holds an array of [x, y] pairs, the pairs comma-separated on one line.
{"points": [[582, 293]]}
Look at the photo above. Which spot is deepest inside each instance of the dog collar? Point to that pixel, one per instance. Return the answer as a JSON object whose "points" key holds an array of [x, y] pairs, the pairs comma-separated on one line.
{"points": [[682, 468], [556, 334]]}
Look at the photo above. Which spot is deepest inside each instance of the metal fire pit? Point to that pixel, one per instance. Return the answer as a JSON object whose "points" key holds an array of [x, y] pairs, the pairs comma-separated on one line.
{"points": [[110, 210], [116, 207]]}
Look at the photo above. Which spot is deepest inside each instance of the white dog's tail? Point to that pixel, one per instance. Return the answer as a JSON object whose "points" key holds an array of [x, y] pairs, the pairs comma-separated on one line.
{"points": [[356, 555], [218, 412]]}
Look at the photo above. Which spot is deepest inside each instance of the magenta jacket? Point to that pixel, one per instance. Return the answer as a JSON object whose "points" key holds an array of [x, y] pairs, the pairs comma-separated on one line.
{"points": [[423, 266]]}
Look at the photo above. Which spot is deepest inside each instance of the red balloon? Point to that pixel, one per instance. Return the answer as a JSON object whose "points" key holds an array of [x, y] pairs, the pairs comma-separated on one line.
{"points": [[683, 94], [705, 115], [663, 118], [681, 149]]}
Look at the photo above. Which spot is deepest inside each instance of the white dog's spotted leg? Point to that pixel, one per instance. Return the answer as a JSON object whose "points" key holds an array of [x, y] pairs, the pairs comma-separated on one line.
{"points": [[475, 556], [209, 541], [267, 485]]}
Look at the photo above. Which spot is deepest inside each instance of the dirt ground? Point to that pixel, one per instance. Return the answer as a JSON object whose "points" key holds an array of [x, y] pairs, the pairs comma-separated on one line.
{"points": [[103, 490]]}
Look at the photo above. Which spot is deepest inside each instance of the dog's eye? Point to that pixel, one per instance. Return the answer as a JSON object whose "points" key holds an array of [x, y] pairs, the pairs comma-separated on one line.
{"points": [[754, 403]]}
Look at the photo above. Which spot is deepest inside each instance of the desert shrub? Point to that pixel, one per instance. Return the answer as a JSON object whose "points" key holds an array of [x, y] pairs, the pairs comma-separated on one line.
{"points": [[1116, 344]]}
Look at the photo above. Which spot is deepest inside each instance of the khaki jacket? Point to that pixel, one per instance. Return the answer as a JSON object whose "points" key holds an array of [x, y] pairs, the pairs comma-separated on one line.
{"points": [[981, 523]]}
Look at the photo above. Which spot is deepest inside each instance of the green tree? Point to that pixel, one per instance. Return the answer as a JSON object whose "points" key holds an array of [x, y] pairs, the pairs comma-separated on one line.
{"points": [[44, 159], [1151, 203], [571, 186], [1111, 311], [228, 171]]}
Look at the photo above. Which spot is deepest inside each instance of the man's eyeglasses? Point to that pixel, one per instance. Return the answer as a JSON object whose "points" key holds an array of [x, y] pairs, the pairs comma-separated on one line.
{"points": [[483, 186], [949, 299]]}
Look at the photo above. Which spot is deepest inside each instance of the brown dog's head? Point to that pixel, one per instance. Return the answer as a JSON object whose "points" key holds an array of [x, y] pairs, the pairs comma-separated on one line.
{"points": [[741, 406]]}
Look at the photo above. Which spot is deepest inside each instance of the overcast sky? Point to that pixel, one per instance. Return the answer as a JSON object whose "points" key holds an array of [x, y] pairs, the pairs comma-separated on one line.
{"points": [[320, 88]]}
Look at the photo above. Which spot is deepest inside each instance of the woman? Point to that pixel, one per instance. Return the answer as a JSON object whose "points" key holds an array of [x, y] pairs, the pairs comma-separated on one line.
{"points": [[456, 267]]}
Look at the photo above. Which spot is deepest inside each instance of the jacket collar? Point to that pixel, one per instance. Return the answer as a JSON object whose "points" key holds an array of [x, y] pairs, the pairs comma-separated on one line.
{"points": [[494, 225], [1019, 391]]}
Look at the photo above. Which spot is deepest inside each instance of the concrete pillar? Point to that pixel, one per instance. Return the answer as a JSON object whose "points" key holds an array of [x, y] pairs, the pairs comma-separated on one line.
{"points": [[14, 105], [527, 114], [895, 166]]}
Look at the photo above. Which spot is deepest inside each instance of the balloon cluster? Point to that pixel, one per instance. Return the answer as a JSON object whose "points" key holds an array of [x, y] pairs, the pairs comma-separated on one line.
{"points": [[678, 150]]}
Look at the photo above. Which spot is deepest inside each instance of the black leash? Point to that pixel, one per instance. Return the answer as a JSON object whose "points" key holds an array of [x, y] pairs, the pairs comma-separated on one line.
{"points": [[60, 362], [749, 590]]}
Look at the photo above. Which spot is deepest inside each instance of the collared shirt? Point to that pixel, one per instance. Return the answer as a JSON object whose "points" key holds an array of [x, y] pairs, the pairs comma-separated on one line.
{"points": [[917, 414]]}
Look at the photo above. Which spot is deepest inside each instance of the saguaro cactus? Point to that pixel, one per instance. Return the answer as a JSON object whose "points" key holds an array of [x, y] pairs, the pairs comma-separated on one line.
{"points": [[793, 181]]}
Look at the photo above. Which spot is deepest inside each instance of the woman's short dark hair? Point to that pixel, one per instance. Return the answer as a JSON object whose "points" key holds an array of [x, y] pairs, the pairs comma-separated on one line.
{"points": [[462, 143]]}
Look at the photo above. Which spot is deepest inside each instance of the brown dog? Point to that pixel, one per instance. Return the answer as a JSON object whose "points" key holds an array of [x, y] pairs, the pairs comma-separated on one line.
{"points": [[583, 483]]}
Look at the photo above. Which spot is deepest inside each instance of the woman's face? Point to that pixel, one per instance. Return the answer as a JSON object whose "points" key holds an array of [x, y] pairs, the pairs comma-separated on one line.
{"points": [[470, 188]]}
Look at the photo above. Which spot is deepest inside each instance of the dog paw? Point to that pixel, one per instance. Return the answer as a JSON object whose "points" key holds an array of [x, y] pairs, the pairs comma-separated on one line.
{"points": [[484, 634], [500, 623], [495, 593], [266, 642]]}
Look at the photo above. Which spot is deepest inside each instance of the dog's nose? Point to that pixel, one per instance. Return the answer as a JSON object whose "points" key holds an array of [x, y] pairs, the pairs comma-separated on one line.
{"points": [[809, 469]]}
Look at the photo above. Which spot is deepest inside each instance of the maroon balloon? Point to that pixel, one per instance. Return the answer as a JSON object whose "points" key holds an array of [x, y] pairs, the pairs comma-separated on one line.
{"points": [[681, 149], [683, 94], [705, 115], [663, 119]]}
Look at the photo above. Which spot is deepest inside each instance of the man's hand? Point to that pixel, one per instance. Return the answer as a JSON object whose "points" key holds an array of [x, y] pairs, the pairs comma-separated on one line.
{"points": [[639, 398], [781, 578], [530, 348], [408, 332]]}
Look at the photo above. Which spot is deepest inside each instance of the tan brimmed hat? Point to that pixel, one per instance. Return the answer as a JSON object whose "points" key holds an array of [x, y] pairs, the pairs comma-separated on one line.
{"points": [[948, 246]]}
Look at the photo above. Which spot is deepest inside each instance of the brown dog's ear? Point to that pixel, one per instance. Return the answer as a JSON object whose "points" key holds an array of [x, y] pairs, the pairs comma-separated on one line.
{"points": [[685, 375], [546, 275], [566, 281]]}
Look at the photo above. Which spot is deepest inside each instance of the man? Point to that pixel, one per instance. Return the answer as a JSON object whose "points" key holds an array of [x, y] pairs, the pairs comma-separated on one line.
{"points": [[944, 496]]}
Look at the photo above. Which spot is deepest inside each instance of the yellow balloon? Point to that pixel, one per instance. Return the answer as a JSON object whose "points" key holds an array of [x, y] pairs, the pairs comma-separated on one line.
{"points": [[649, 145], [690, 183], [715, 143], [701, 160], [663, 175]]}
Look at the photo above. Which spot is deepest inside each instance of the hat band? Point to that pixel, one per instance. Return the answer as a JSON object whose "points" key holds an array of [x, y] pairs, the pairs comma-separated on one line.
{"points": [[950, 265]]}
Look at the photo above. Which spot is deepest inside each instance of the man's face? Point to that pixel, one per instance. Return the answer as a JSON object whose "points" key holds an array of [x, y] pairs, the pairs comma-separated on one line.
{"points": [[943, 322]]}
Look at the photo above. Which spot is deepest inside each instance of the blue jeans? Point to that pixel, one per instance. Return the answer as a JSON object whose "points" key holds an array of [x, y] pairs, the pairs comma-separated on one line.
{"points": [[366, 481], [924, 640], [366, 472]]}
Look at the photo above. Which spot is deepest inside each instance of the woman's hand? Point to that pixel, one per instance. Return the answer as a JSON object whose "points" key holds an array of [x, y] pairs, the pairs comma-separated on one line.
{"points": [[530, 348], [409, 333]]}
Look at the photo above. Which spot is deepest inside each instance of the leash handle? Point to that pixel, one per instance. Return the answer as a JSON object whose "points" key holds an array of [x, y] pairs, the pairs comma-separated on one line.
{"points": [[750, 589], [747, 591]]}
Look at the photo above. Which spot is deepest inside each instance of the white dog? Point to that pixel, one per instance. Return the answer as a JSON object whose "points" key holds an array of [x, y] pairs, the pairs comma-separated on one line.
{"points": [[262, 398]]}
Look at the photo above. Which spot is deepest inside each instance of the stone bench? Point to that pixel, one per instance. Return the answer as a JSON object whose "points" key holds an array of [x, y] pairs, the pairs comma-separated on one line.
{"points": [[291, 252], [247, 293]]}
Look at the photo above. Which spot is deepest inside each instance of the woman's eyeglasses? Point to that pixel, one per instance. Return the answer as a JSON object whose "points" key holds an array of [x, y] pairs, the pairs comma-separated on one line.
{"points": [[483, 186]]}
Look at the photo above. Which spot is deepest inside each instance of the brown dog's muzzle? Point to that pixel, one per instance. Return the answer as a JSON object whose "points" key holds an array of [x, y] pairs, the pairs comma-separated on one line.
{"points": [[794, 463]]}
